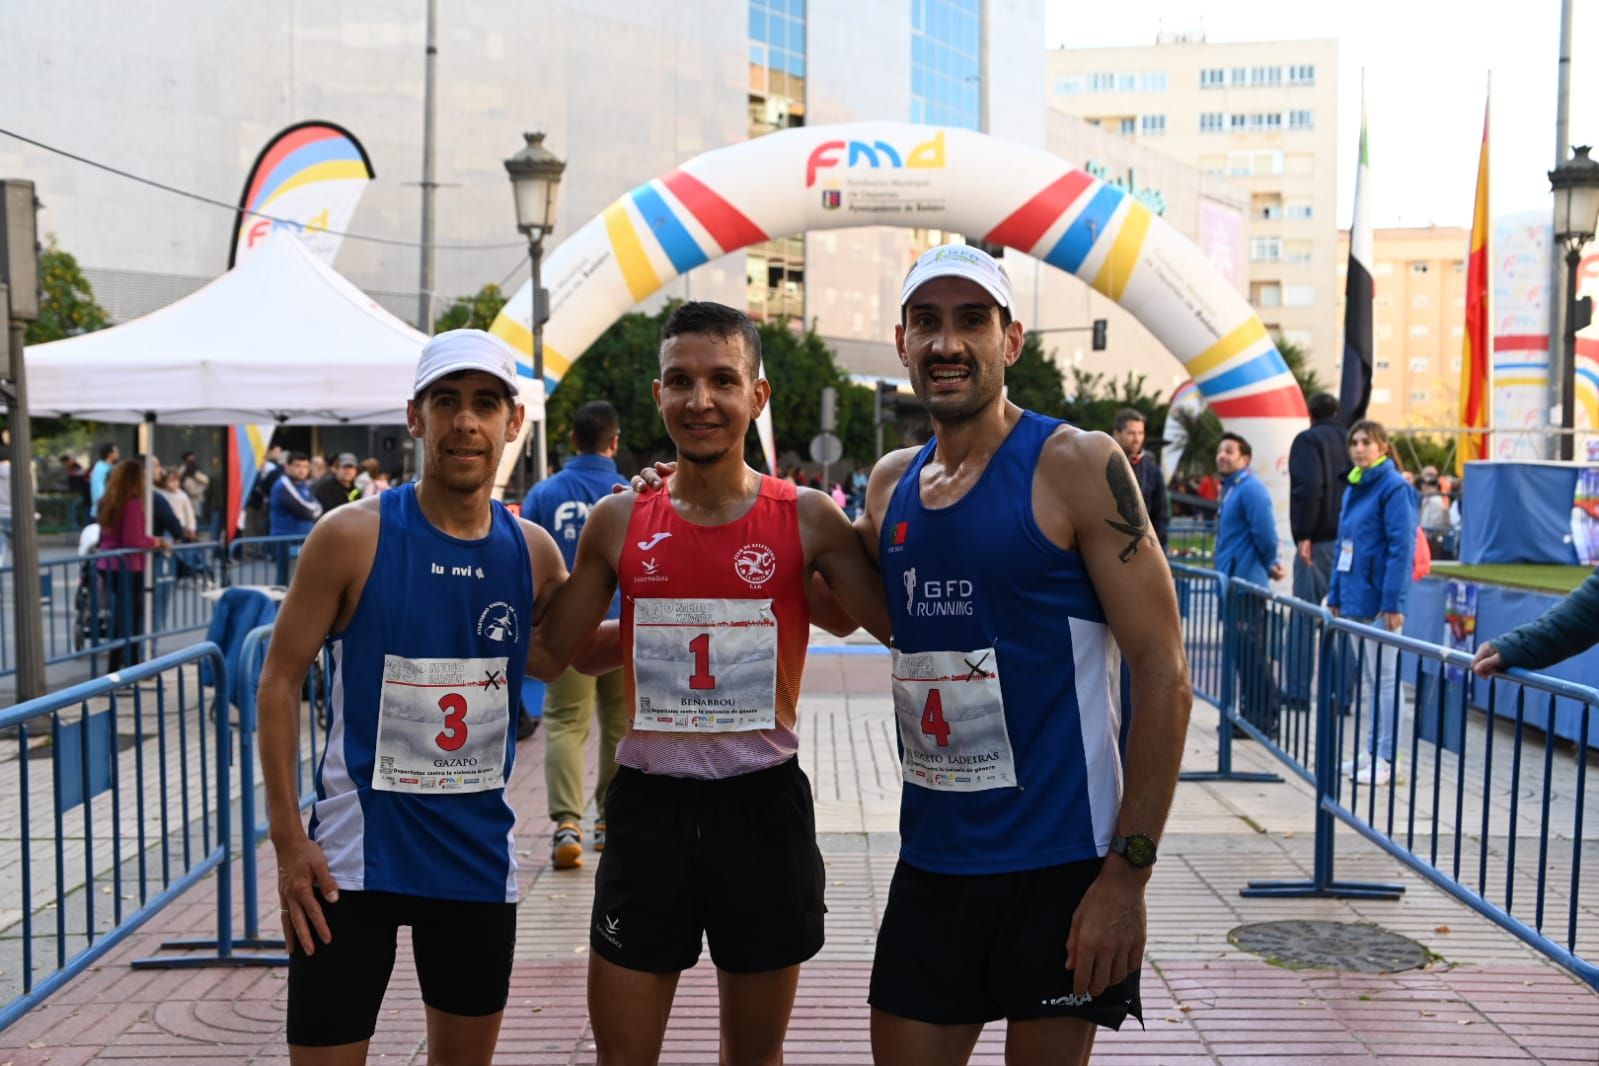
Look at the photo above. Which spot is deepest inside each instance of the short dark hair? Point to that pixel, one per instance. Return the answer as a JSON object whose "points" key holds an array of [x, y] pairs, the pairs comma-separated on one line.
{"points": [[298, 457], [595, 425], [1323, 405], [1126, 415], [106, 449], [707, 319], [1243, 445], [187, 456]]}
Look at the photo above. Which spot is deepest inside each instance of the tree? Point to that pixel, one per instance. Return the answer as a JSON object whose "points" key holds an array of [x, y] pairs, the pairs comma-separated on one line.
{"points": [[1096, 398], [1035, 381], [477, 311], [66, 299], [799, 366], [619, 367], [1297, 359]]}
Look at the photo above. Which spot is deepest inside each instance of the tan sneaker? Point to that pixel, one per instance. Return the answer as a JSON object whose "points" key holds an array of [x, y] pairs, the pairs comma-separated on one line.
{"points": [[566, 851]]}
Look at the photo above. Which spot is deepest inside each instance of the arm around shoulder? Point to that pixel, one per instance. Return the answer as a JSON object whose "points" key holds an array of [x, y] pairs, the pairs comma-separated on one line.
{"points": [[1566, 629], [568, 614]]}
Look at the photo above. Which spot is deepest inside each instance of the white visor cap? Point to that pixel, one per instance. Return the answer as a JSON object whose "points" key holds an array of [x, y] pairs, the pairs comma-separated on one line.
{"points": [[466, 349], [959, 261]]}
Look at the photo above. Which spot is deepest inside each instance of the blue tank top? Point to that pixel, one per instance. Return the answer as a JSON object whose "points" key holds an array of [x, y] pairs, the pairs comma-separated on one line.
{"points": [[436, 649], [980, 574]]}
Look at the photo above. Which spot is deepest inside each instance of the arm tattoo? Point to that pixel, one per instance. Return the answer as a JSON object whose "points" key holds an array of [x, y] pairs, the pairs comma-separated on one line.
{"points": [[1129, 504]]}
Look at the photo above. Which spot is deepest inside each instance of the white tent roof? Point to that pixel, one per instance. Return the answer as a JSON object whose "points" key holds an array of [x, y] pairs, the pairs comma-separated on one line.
{"points": [[280, 338]]}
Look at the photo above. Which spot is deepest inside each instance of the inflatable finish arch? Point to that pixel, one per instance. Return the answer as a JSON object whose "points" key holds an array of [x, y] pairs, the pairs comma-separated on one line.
{"points": [[898, 174]]}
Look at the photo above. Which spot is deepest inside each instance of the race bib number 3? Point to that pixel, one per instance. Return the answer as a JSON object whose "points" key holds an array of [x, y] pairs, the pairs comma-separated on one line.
{"points": [[442, 725], [952, 720], [704, 666]]}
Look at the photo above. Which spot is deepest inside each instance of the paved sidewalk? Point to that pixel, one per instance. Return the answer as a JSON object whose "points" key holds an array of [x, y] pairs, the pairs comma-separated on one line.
{"points": [[1484, 998]]}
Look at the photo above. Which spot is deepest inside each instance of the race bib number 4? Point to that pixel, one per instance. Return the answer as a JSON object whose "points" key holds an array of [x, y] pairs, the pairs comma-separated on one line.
{"points": [[704, 666], [952, 720], [442, 725]]}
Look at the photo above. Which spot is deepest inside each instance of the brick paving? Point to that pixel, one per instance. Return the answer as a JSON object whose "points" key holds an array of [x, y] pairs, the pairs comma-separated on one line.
{"points": [[1486, 998]]}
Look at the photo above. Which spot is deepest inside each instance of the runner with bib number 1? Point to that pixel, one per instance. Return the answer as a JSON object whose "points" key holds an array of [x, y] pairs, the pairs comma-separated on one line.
{"points": [[709, 821]]}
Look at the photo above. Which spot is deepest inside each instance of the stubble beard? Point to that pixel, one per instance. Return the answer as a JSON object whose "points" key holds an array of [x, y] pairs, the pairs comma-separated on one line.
{"points": [[979, 398]]}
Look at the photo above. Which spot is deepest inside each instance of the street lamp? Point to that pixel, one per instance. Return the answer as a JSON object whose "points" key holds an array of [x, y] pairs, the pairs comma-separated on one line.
{"points": [[535, 173], [1576, 187]]}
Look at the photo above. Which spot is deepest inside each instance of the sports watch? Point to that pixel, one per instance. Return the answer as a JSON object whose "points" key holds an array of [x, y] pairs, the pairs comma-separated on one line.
{"points": [[1137, 848]]}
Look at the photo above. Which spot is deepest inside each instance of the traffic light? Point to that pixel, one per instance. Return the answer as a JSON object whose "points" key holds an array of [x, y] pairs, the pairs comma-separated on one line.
{"points": [[887, 403], [1582, 316], [1100, 328]]}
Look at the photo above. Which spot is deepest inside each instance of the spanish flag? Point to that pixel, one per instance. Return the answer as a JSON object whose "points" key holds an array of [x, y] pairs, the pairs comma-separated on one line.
{"points": [[1475, 355]]}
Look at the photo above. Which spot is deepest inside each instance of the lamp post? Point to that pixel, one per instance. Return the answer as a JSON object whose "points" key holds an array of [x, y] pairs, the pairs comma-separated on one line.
{"points": [[1576, 187], [535, 174]]}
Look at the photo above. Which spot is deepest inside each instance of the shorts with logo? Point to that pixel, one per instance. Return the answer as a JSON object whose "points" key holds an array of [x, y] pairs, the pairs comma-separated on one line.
{"points": [[463, 962], [955, 949], [734, 860]]}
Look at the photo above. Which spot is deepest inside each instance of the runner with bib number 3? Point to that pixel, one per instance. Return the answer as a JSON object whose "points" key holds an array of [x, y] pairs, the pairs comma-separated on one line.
{"points": [[710, 827], [425, 595]]}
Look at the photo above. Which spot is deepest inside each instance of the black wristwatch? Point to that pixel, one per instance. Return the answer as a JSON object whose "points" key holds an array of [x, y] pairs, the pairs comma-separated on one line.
{"points": [[1137, 848]]}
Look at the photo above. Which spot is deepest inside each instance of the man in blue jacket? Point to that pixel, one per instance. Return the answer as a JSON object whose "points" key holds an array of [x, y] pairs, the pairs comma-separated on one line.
{"points": [[1246, 549], [561, 505], [293, 509]]}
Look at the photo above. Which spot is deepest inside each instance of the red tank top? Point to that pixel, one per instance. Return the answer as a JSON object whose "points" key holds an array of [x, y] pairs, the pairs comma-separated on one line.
{"points": [[757, 557]]}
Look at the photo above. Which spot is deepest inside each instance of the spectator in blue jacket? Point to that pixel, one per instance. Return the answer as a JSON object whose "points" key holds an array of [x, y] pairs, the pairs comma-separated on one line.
{"points": [[1246, 532], [1566, 629], [1371, 578], [561, 505], [1246, 549], [293, 509]]}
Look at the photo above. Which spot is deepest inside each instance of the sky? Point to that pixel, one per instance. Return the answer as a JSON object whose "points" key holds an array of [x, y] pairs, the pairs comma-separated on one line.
{"points": [[1426, 65]]}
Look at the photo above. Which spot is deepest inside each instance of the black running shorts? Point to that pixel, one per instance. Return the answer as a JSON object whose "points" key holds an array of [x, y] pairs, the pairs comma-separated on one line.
{"points": [[734, 860], [957, 949], [462, 952]]}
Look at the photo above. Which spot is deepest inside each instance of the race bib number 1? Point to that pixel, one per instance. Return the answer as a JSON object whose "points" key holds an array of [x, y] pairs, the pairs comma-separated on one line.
{"points": [[704, 666], [952, 720], [442, 725]]}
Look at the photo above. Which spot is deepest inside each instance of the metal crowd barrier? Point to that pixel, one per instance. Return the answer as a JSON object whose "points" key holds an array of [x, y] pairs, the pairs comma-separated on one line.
{"points": [[318, 703], [131, 809], [1468, 797], [263, 560], [1191, 539], [1210, 642]]}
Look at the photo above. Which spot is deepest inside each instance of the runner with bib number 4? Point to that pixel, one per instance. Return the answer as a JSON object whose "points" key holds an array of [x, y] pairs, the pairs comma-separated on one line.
{"points": [[1021, 571], [709, 820]]}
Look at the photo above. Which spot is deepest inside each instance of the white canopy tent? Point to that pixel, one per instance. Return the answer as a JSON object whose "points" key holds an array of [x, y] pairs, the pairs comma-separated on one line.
{"points": [[280, 338]]}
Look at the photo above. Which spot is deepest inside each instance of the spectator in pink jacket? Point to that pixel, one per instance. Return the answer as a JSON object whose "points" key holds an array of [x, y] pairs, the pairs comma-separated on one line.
{"points": [[122, 526]]}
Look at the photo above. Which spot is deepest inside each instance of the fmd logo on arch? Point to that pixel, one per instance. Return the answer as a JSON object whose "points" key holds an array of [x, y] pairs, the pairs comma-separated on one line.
{"points": [[927, 155]]}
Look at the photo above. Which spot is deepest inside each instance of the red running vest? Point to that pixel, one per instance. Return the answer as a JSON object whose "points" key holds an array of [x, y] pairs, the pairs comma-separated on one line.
{"points": [[759, 556]]}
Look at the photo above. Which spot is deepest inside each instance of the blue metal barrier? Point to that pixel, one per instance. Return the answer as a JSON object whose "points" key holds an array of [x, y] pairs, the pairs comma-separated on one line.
{"points": [[153, 790], [318, 697], [1202, 605], [263, 560], [1191, 540], [1464, 841]]}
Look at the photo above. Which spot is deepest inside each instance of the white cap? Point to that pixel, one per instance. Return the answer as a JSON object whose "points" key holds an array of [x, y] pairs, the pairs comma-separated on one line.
{"points": [[959, 261], [466, 349]]}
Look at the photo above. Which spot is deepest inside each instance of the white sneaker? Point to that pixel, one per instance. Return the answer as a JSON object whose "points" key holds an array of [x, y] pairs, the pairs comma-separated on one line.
{"points": [[1379, 773], [1354, 766]]}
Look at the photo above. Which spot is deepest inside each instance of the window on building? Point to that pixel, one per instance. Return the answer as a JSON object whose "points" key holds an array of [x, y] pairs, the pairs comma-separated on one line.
{"points": [[1419, 365], [1302, 74], [1211, 122], [1454, 364], [775, 270], [1381, 396], [1382, 269], [1126, 82], [1298, 251], [1100, 81], [1153, 81], [947, 65], [1301, 120], [1302, 339], [1421, 299], [1240, 76], [1419, 330], [1301, 210], [1212, 78], [1299, 295], [1265, 249], [1419, 267], [1418, 395], [1152, 125], [1265, 294], [1236, 121], [1382, 364], [1274, 120], [1069, 84], [1265, 75], [1271, 210], [1213, 164], [1128, 127], [1458, 266]]}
